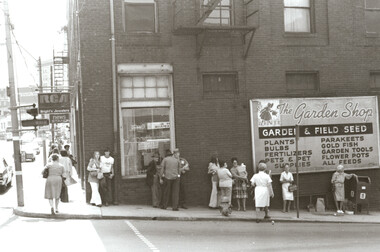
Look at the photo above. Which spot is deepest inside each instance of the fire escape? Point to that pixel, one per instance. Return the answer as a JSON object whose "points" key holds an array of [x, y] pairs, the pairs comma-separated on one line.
{"points": [[60, 63], [202, 18]]}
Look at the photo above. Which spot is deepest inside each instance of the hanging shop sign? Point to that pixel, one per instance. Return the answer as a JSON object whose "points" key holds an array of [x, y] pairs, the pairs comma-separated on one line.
{"points": [[59, 118], [54, 103], [333, 131]]}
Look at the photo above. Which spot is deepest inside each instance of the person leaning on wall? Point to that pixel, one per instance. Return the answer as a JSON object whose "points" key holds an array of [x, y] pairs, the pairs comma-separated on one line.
{"points": [[337, 182]]}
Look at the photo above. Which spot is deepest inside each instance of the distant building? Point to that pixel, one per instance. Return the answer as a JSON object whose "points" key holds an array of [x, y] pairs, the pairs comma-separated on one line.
{"points": [[186, 72]]}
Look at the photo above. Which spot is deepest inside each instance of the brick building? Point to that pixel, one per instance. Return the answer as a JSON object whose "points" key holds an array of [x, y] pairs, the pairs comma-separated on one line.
{"points": [[183, 73]]}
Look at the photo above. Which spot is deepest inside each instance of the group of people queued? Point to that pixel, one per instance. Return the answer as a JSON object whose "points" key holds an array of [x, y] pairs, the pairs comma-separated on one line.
{"points": [[233, 183], [167, 180], [60, 171]]}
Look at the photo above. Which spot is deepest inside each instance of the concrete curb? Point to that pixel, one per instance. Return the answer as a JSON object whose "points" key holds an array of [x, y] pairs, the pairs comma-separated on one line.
{"points": [[20, 212]]}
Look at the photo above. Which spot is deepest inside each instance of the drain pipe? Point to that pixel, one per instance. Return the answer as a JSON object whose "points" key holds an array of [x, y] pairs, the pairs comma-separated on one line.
{"points": [[115, 106]]}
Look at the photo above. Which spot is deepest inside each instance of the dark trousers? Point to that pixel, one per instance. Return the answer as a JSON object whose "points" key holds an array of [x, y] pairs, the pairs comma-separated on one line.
{"points": [[171, 188], [64, 192], [182, 191], [106, 188]]}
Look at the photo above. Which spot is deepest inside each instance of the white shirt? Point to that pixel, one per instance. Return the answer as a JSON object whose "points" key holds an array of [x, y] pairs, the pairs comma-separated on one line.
{"points": [[106, 163]]}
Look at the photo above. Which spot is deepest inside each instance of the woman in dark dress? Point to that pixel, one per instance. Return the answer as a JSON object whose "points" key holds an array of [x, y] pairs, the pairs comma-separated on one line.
{"points": [[53, 184], [153, 180]]}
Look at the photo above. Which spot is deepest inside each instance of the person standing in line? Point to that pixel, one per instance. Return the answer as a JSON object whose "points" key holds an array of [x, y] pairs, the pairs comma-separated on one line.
{"points": [[171, 176], [263, 190], [67, 173], [239, 189], [286, 180], [67, 148], [337, 182], [107, 163], [53, 185], [184, 168], [213, 168], [153, 180], [94, 167], [225, 182]]}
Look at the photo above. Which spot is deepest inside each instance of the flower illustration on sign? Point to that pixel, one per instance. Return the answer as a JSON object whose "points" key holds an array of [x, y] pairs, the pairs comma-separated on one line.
{"points": [[267, 112]]}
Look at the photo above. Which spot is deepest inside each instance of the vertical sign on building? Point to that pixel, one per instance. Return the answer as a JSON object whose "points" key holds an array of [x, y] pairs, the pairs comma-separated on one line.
{"points": [[333, 131]]}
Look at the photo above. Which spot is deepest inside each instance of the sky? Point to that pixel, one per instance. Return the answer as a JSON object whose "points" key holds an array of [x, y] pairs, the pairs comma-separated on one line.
{"points": [[37, 25]]}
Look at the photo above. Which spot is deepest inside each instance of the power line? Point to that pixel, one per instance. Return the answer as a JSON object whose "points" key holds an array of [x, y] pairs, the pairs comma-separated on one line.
{"points": [[26, 64]]}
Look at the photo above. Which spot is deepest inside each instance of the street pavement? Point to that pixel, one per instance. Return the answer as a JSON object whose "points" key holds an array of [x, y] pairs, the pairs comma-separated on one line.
{"points": [[36, 234]]}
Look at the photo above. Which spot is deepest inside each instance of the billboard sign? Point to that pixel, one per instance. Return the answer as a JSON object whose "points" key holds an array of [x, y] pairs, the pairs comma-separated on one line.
{"points": [[333, 131], [54, 103]]}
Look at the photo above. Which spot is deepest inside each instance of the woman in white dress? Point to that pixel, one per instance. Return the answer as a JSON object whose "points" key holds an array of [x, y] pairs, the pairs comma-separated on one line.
{"points": [[213, 168], [263, 190], [286, 179]]}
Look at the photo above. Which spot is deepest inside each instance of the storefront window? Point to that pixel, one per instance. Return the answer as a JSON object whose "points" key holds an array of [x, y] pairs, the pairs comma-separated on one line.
{"points": [[146, 132]]}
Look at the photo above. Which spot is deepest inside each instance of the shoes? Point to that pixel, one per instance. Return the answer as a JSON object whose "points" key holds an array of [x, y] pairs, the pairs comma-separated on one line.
{"points": [[175, 209], [257, 220], [266, 217], [56, 211], [106, 204], [99, 205], [163, 207], [93, 204], [183, 206], [52, 211]]}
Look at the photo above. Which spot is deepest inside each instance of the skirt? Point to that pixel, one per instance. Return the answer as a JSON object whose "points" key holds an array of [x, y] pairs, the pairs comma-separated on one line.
{"points": [[239, 190], [53, 187]]}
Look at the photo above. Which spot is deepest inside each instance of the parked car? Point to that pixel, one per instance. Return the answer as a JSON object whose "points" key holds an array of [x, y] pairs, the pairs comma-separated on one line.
{"points": [[28, 153], [6, 174]]}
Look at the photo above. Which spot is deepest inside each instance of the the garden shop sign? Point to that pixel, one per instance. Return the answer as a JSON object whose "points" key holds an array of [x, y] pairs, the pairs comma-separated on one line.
{"points": [[333, 131]]}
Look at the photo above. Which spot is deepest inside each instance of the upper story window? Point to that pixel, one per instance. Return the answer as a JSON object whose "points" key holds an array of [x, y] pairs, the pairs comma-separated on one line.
{"points": [[219, 83], [302, 81], [140, 16], [372, 16], [297, 15], [145, 87], [221, 14]]}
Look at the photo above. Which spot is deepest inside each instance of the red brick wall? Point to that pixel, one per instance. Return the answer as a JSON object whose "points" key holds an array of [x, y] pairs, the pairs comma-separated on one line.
{"points": [[338, 50]]}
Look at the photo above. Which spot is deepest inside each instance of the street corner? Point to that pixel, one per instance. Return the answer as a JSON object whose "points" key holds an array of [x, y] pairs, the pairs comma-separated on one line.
{"points": [[25, 212]]}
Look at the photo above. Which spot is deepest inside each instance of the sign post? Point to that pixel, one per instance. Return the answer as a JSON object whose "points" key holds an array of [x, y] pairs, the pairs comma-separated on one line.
{"points": [[297, 178]]}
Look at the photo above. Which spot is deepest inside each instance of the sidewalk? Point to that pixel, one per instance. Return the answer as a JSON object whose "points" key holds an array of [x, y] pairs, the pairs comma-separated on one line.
{"points": [[77, 208]]}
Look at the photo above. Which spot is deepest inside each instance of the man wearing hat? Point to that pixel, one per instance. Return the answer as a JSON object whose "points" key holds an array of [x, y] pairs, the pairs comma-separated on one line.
{"points": [[153, 179], [171, 176]]}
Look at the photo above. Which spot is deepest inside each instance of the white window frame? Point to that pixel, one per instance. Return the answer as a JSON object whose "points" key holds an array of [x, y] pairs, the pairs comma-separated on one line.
{"points": [[311, 16], [231, 11], [141, 2], [365, 21], [138, 70]]}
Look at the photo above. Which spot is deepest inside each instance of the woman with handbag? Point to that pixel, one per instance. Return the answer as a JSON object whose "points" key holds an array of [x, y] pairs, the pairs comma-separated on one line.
{"points": [[239, 189], [286, 180], [53, 184], [94, 168]]}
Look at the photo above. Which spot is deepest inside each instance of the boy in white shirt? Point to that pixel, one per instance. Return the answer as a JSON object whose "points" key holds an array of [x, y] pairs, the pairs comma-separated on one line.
{"points": [[107, 163]]}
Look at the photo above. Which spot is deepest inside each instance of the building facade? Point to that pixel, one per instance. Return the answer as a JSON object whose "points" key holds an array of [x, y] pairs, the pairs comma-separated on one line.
{"points": [[152, 75]]}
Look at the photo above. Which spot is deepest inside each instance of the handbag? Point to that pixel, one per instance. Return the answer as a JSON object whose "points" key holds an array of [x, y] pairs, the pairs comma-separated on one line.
{"points": [[94, 173], [70, 181], [45, 173], [100, 175], [292, 188]]}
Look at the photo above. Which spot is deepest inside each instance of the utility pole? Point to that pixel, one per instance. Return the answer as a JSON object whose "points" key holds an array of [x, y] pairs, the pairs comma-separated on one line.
{"points": [[15, 125], [41, 90]]}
